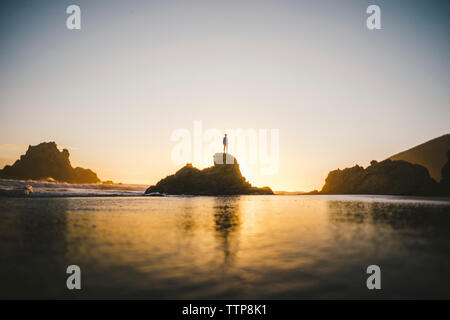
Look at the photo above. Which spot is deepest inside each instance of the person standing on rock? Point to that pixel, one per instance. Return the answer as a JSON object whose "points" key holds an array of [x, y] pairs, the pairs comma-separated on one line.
{"points": [[225, 144]]}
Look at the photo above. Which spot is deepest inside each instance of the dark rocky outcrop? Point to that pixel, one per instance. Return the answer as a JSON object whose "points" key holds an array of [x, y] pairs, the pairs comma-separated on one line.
{"points": [[445, 182], [45, 161], [224, 178], [386, 177], [430, 154]]}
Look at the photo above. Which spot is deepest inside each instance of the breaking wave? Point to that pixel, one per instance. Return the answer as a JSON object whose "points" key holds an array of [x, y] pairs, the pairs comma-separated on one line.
{"points": [[28, 188]]}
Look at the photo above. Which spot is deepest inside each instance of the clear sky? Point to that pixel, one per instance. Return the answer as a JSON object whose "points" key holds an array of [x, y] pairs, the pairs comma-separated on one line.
{"points": [[114, 91]]}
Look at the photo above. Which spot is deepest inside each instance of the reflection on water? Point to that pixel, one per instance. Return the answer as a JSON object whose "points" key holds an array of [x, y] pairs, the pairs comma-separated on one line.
{"points": [[227, 223], [225, 247]]}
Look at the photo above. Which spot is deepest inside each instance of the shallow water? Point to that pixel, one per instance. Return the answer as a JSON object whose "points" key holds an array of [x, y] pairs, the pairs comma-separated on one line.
{"points": [[269, 247]]}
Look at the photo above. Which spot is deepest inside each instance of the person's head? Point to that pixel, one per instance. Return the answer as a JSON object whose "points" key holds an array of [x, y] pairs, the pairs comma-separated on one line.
{"points": [[225, 134]]}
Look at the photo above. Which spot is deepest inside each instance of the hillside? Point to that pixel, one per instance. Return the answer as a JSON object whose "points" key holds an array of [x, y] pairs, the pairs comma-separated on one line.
{"points": [[417, 171], [431, 155]]}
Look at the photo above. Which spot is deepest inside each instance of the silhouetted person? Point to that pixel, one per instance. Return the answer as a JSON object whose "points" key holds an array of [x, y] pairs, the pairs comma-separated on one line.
{"points": [[225, 144]]}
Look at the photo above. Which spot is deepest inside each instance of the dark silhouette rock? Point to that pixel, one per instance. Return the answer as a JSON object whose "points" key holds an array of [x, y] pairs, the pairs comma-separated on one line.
{"points": [[385, 177], [445, 182], [224, 178], [430, 154], [45, 161], [81, 175]]}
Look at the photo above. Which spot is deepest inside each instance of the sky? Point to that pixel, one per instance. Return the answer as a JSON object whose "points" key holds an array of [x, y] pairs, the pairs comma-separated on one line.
{"points": [[114, 92]]}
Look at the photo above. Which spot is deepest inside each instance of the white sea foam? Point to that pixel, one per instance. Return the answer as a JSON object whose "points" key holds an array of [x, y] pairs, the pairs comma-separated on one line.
{"points": [[57, 189]]}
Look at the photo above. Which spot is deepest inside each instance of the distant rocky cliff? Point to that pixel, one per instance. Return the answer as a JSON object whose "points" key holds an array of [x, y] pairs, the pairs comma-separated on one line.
{"points": [[224, 178], [423, 170], [431, 155], [385, 177], [45, 161], [445, 182]]}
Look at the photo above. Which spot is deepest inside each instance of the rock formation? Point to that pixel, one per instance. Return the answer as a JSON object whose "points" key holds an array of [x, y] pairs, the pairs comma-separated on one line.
{"points": [[445, 182], [45, 161], [386, 177], [224, 178], [431, 155]]}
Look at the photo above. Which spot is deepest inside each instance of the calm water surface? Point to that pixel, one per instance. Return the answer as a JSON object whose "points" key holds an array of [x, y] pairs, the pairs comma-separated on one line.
{"points": [[270, 247]]}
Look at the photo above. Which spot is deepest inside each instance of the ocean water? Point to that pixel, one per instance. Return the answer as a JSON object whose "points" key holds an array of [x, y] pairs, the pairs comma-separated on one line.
{"points": [[57, 189], [243, 247]]}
